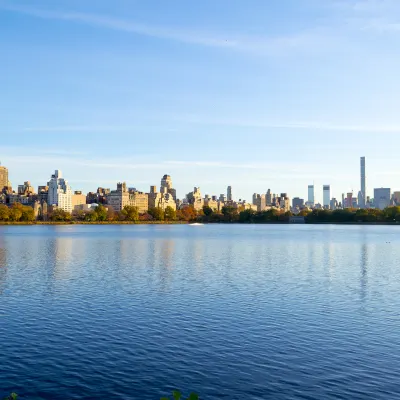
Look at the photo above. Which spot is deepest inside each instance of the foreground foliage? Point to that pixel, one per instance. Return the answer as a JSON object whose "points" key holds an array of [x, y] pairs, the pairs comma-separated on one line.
{"points": [[12, 396], [178, 396]]}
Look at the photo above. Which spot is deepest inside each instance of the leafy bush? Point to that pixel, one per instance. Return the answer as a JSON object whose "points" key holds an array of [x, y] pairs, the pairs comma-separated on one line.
{"points": [[12, 396], [178, 396]]}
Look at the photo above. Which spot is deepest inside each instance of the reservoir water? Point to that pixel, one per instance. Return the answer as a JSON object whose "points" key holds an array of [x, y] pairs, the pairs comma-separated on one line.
{"points": [[228, 311]]}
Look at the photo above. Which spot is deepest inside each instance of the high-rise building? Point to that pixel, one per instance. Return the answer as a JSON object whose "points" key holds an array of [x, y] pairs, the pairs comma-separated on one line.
{"points": [[194, 198], [327, 196], [334, 204], [26, 189], [381, 198], [166, 182], [297, 202], [78, 199], [60, 193], [396, 198], [122, 197], [166, 186], [259, 200], [363, 188], [268, 197], [349, 200], [229, 193], [311, 198], [3, 177]]}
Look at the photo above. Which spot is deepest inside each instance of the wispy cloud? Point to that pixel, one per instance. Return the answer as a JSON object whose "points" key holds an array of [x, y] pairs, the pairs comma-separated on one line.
{"points": [[310, 40], [301, 125], [380, 16], [200, 38], [256, 123]]}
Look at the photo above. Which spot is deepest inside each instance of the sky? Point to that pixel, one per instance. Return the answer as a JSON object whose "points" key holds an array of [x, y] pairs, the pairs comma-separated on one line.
{"points": [[255, 94]]}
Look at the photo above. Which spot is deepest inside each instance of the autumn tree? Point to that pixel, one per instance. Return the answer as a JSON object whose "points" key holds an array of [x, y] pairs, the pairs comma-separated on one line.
{"points": [[59, 215], [101, 213], [4, 212], [130, 213], [157, 213], [186, 214], [15, 212], [169, 214], [28, 214]]}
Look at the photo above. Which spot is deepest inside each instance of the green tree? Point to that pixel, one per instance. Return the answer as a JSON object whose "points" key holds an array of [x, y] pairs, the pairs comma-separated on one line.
{"points": [[230, 213], [79, 215], [15, 212], [91, 216], [111, 216], [4, 212], [130, 213], [59, 215], [247, 216], [28, 214], [101, 213], [178, 396], [207, 211], [303, 213], [157, 213], [169, 214]]}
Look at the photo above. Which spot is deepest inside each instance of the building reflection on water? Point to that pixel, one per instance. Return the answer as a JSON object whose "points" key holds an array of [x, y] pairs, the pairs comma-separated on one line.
{"points": [[3, 264], [364, 270]]}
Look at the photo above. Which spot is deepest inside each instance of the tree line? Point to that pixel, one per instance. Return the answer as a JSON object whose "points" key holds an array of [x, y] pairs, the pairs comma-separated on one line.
{"points": [[348, 215], [20, 213], [16, 213]]}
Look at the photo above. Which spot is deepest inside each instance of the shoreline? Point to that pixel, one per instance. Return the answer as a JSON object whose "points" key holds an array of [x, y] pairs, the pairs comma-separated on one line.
{"points": [[7, 223], [33, 223]]}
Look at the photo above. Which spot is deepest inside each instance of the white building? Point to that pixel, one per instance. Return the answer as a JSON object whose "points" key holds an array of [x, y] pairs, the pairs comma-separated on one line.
{"points": [[363, 197], [327, 196], [311, 198], [382, 198], [60, 193]]}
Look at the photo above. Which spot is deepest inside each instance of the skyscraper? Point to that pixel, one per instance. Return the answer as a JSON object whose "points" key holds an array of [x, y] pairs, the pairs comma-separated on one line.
{"points": [[381, 198], [166, 182], [268, 197], [327, 196], [363, 188], [229, 193], [3, 177], [349, 200], [166, 186], [60, 193], [311, 198]]}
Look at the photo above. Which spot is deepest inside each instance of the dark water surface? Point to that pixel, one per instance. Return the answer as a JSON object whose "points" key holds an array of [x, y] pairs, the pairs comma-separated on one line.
{"points": [[232, 312]]}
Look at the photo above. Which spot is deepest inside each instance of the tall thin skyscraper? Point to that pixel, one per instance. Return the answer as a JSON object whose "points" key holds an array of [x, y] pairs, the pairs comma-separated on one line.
{"points": [[363, 188], [327, 196], [311, 198], [229, 194]]}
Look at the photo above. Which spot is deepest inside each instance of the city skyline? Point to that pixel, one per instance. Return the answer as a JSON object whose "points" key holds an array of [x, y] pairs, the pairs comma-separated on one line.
{"points": [[166, 187], [213, 94]]}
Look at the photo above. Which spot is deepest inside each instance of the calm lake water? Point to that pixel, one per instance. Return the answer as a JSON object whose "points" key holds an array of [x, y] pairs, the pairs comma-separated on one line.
{"points": [[228, 311]]}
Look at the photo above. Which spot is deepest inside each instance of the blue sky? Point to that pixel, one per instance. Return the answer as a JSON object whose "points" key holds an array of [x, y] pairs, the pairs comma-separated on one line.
{"points": [[255, 94]]}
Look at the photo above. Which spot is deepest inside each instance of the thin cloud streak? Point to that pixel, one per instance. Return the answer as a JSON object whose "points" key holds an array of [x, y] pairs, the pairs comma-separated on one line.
{"points": [[239, 123], [125, 26], [315, 39], [309, 125]]}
